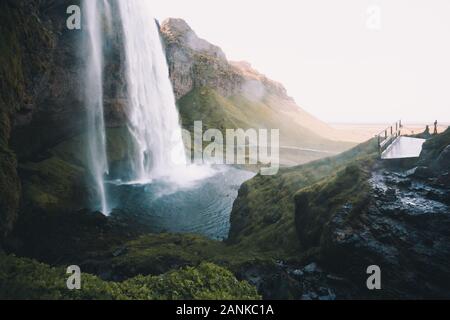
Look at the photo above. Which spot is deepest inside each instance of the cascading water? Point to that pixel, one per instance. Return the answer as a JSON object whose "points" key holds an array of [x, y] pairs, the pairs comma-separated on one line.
{"points": [[156, 150], [152, 114], [97, 159], [160, 187]]}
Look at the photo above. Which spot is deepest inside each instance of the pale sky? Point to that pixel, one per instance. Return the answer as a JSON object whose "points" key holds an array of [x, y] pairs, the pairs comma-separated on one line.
{"points": [[343, 61]]}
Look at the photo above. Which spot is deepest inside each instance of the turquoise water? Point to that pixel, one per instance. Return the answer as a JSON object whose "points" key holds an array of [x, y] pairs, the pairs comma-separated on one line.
{"points": [[203, 208]]}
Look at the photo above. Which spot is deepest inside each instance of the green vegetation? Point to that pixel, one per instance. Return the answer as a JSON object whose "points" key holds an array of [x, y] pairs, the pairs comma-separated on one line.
{"points": [[58, 181], [19, 33], [9, 184], [263, 214], [317, 204], [275, 217], [22, 278], [158, 253], [216, 111], [52, 184], [263, 223]]}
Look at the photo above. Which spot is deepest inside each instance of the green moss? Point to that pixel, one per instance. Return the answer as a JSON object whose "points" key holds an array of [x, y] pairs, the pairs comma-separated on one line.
{"points": [[263, 214], [263, 227], [158, 253], [52, 184], [215, 111], [27, 279], [59, 180], [20, 33], [317, 204], [9, 190], [12, 78], [205, 282]]}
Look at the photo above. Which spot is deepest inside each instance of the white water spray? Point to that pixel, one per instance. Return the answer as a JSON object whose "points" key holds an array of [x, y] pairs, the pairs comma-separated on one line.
{"points": [[97, 159], [152, 113], [157, 149]]}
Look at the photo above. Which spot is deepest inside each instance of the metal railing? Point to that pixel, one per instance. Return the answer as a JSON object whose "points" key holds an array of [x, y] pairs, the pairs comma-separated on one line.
{"points": [[388, 136]]}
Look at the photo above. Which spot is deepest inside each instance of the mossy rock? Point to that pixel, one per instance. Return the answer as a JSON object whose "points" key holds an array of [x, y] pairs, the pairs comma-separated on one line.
{"points": [[21, 32], [59, 178], [22, 278], [52, 184], [433, 147], [10, 188], [315, 205], [263, 214], [153, 254]]}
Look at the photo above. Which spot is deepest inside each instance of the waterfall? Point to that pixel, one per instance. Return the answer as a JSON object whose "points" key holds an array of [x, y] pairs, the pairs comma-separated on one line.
{"points": [[152, 113], [156, 149], [96, 137]]}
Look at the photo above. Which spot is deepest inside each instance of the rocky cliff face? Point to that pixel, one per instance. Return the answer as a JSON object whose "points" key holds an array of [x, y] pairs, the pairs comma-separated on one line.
{"points": [[195, 63], [41, 107], [43, 114], [394, 215], [24, 44], [226, 94]]}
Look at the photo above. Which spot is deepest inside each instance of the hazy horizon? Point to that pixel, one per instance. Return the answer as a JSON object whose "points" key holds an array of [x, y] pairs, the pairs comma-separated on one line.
{"points": [[356, 61]]}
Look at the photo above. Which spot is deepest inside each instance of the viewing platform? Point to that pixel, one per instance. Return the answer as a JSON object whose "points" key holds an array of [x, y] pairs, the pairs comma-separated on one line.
{"points": [[403, 147], [393, 145]]}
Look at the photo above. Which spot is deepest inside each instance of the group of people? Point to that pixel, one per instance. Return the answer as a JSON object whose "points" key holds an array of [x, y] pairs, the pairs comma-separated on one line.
{"points": [[427, 129]]}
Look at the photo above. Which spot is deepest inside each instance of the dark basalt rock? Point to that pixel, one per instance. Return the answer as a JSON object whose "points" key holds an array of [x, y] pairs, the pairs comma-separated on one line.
{"points": [[443, 161], [420, 172], [402, 227], [41, 98]]}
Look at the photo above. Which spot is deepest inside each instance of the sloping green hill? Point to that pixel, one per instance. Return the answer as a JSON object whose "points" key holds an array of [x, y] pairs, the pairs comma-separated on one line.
{"points": [[263, 213], [230, 95]]}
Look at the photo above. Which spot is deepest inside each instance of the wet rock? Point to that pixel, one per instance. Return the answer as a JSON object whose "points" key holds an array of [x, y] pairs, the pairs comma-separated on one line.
{"points": [[444, 180], [391, 192], [333, 277], [309, 296], [402, 226], [443, 161], [421, 172], [326, 294], [321, 294], [312, 267], [297, 273], [272, 280]]}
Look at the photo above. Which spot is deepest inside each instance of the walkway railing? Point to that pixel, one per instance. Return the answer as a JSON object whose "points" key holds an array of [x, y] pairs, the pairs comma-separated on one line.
{"points": [[388, 136]]}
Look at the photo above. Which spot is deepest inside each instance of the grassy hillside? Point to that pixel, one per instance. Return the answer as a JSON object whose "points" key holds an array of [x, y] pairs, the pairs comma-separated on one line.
{"points": [[219, 112], [263, 214], [22, 278], [229, 95], [262, 225]]}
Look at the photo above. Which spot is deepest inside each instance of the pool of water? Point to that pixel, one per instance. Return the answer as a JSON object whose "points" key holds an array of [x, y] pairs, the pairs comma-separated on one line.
{"points": [[202, 208]]}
